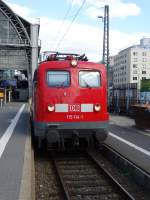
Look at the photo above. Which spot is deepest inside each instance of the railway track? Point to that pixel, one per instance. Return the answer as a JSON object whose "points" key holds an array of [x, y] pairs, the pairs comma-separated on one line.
{"points": [[84, 178], [81, 176]]}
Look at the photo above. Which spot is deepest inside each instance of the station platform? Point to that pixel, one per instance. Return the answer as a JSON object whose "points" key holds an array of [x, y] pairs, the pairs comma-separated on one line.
{"points": [[129, 141], [15, 153]]}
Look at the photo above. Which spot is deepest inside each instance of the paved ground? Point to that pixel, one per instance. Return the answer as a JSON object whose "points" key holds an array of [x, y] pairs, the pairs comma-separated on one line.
{"points": [[12, 154], [124, 137], [129, 141], [122, 121]]}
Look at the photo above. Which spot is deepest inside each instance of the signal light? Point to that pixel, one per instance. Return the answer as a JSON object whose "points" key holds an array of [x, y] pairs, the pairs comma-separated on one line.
{"points": [[74, 63], [97, 107], [51, 108]]}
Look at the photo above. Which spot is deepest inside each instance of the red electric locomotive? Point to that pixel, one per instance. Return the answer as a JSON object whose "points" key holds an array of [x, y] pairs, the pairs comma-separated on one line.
{"points": [[69, 100]]}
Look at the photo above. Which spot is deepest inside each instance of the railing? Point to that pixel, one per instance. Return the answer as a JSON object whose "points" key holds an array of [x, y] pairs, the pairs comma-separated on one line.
{"points": [[5, 96], [14, 41], [2, 95]]}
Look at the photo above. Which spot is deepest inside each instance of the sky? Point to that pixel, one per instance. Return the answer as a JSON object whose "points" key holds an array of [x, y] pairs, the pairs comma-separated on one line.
{"points": [[73, 25]]}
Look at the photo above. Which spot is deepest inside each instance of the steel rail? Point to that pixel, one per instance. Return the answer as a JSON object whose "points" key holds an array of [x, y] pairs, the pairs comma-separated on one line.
{"points": [[142, 171], [65, 190], [94, 160], [125, 192]]}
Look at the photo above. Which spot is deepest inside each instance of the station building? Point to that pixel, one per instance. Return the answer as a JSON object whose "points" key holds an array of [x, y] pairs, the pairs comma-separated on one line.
{"points": [[19, 50]]}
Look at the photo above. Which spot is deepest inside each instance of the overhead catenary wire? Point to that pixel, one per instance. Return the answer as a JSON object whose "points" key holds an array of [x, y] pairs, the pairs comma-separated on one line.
{"points": [[68, 28], [65, 17]]}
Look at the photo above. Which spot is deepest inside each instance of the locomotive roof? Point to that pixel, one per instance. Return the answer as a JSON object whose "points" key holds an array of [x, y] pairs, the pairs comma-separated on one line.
{"points": [[65, 64], [51, 56], [62, 60]]}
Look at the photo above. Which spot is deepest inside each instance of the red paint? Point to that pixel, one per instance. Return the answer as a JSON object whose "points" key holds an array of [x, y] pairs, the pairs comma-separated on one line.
{"points": [[73, 95]]}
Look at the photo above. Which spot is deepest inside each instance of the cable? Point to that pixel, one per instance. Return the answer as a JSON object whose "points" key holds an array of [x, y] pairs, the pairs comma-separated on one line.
{"points": [[76, 14], [65, 17]]}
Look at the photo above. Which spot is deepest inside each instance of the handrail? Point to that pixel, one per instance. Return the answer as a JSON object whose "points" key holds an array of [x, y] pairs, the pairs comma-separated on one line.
{"points": [[14, 41]]}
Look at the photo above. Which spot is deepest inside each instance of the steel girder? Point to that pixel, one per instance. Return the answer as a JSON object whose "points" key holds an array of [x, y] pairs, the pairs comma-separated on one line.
{"points": [[15, 21]]}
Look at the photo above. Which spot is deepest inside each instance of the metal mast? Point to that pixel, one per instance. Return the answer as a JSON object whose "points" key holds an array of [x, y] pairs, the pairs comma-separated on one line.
{"points": [[106, 37]]}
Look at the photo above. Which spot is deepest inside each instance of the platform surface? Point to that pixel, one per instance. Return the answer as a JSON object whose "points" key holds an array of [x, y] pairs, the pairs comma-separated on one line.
{"points": [[129, 141], [12, 148], [134, 144]]}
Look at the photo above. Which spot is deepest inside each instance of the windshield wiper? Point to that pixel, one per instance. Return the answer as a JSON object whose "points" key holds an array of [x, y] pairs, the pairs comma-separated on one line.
{"points": [[86, 84], [63, 84]]}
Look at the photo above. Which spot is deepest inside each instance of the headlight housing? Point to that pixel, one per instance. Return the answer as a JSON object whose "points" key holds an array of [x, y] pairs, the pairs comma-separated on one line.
{"points": [[51, 108], [97, 107], [74, 63]]}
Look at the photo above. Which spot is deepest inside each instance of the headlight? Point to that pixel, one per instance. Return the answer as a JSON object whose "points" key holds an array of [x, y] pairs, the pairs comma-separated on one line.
{"points": [[74, 63], [97, 107], [51, 108]]}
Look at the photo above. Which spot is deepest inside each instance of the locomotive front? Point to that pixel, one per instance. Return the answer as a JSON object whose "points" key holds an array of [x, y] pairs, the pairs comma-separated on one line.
{"points": [[70, 100]]}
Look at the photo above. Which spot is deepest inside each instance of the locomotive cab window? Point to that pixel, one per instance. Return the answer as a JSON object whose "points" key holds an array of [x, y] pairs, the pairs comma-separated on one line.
{"points": [[89, 79], [58, 78]]}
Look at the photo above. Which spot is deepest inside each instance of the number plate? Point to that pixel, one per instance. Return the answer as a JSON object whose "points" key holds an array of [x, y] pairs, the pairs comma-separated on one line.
{"points": [[74, 108]]}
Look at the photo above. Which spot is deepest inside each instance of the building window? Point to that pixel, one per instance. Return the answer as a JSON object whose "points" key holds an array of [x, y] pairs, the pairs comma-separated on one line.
{"points": [[134, 71], [143, 53], [135, 59], [135, 65], [143, 72], [143, 78], [144, 59], [144, 65], [135, 53], [134, 78]]}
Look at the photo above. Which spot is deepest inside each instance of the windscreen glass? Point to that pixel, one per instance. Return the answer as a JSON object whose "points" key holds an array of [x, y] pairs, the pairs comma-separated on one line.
{"points": [[58, 78], [89, 79]]}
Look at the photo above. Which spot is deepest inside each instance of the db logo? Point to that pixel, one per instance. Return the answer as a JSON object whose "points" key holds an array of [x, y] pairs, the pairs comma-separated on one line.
{"points": [[74, 108]]}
